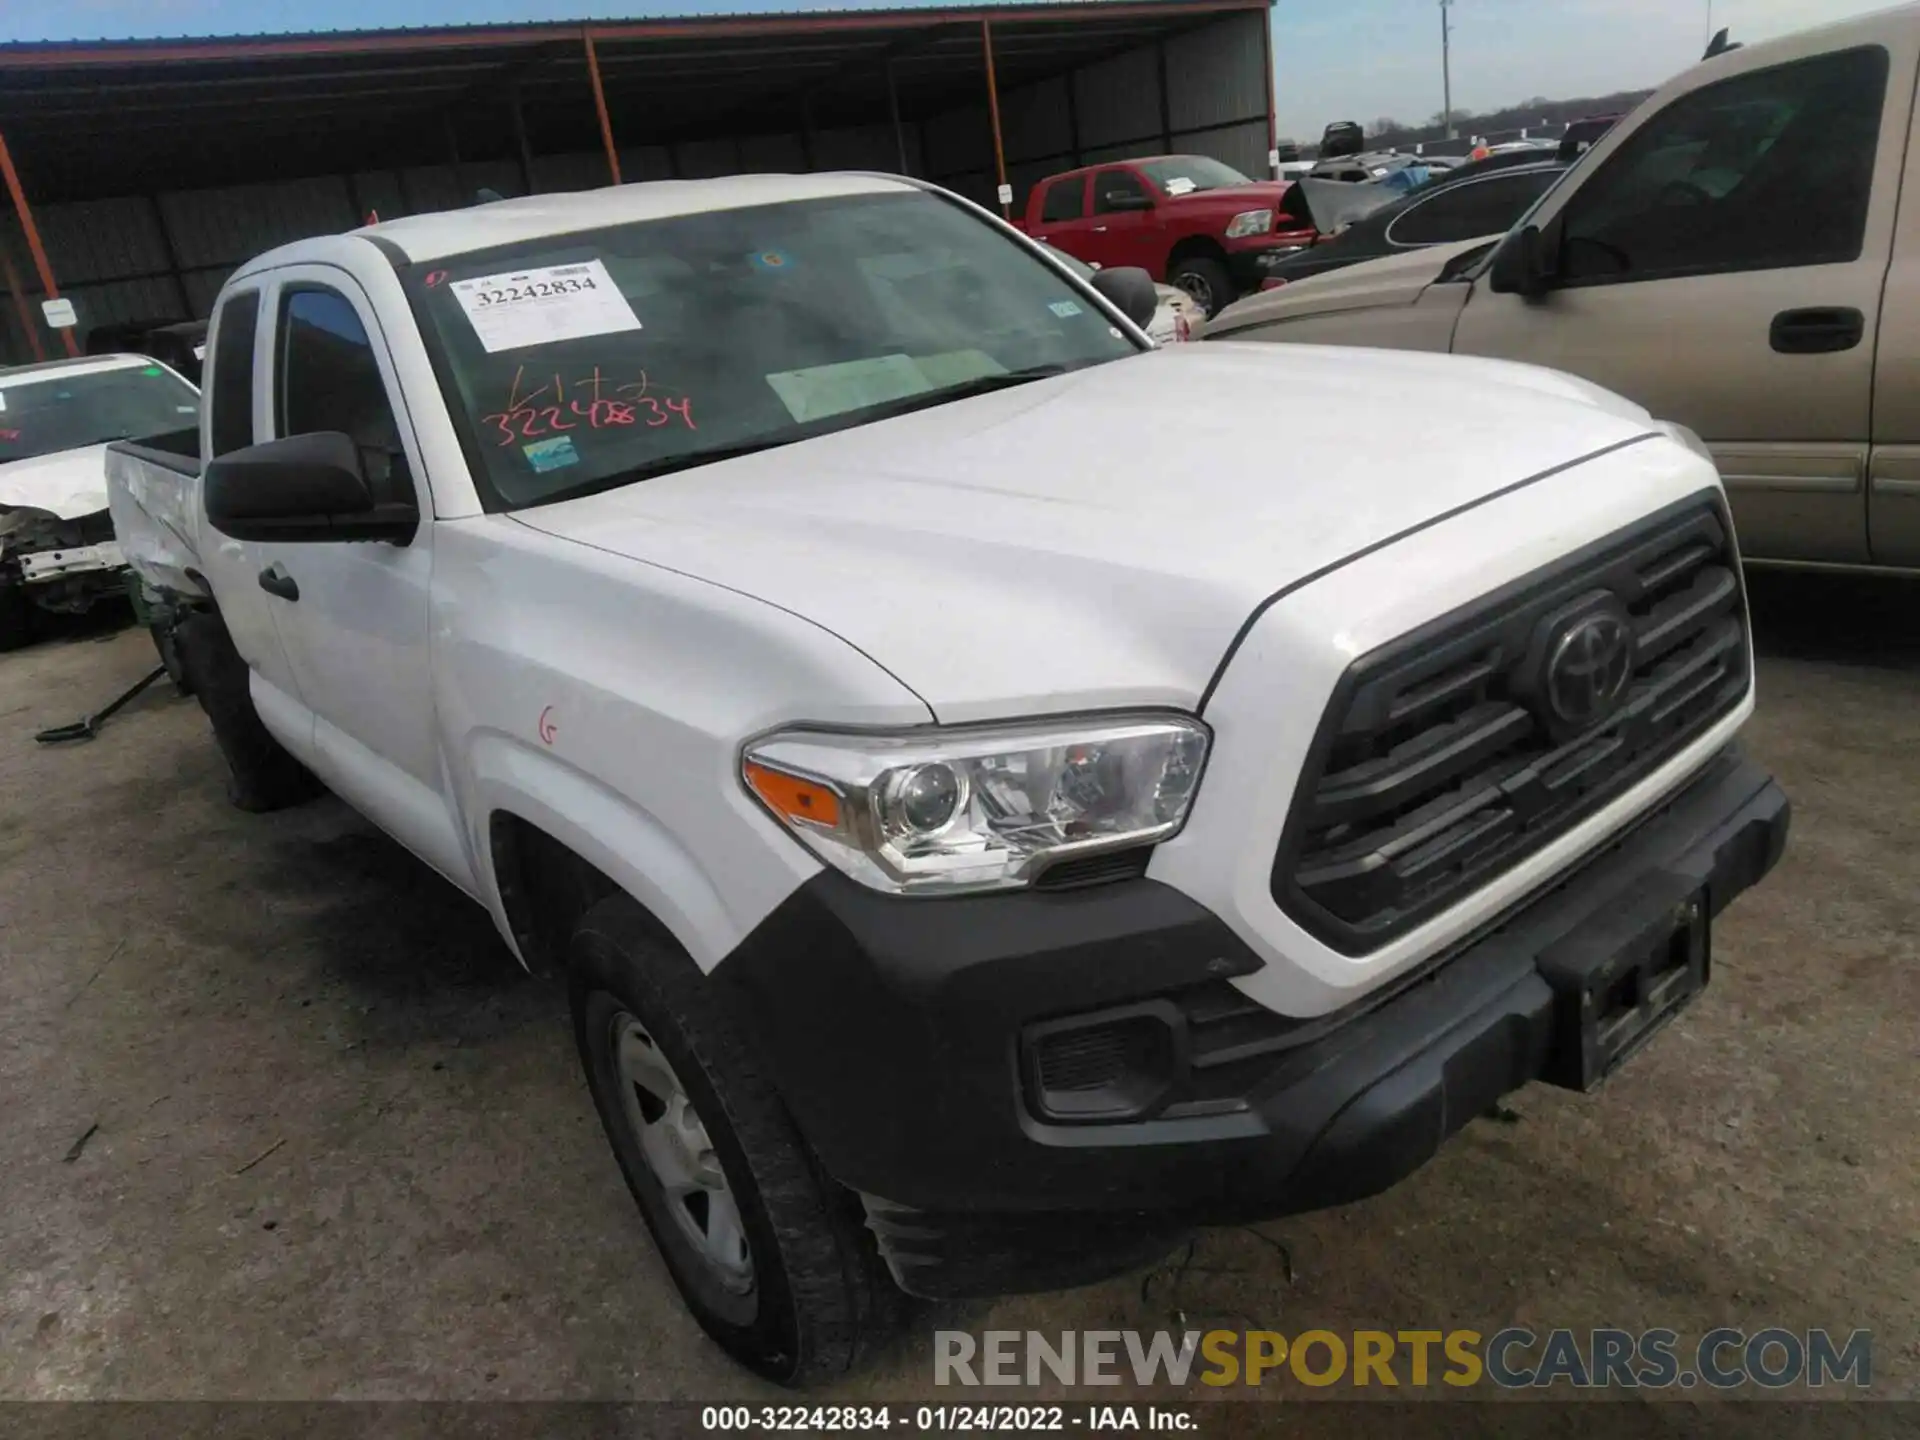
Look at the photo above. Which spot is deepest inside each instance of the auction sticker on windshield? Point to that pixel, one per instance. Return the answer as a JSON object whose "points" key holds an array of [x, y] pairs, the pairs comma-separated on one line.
{"points": [[518, 308]]}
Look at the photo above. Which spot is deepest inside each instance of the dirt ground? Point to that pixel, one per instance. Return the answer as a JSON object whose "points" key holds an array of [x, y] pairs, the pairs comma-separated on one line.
{"points": [[335, 1145]]}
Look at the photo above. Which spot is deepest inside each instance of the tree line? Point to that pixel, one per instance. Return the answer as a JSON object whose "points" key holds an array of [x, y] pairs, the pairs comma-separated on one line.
{"points": [[1386, 132]]}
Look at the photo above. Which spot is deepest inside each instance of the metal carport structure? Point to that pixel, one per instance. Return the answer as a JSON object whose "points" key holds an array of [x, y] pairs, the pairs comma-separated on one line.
{"points": [[142, 171]]}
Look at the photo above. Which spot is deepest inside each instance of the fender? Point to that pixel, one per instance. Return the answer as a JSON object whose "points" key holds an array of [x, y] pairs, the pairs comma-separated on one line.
{"points": [[610, 832]]}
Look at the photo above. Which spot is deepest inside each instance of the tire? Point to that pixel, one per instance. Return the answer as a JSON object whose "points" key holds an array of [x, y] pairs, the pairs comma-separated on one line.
{"points": [[1206, 279], [168, 649], [815, 1297], [17, 626], [261, 775]]}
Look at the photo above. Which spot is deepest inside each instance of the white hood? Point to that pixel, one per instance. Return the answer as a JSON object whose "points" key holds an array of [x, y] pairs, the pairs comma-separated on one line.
{"points": [[70, 483], [1105, 533]]}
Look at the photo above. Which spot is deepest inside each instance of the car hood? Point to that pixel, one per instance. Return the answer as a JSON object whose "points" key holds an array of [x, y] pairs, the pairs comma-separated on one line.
{"points": [[1254, 192], [1390, 280], [1097, 539], [70, 483]]}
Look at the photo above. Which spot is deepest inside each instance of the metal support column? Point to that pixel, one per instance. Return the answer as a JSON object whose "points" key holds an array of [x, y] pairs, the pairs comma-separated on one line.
{"points": [[520, 138], [899, 132], [993, 113], [35, 249], [173, 257], [600, 105], [453, 156], [1273, 123]]}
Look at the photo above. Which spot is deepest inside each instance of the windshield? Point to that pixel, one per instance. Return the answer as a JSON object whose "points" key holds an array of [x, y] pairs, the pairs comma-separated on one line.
{"points": [[1072, 262], [46, 412], [579, 362], [1184, 174]]}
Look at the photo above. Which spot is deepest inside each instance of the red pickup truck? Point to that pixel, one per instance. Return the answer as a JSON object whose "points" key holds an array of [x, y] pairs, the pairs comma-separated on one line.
{"points": [[1186, 220]]}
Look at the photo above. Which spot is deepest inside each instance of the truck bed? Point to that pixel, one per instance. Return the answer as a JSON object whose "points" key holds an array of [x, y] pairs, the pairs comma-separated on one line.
{"points": [[153, 493]]}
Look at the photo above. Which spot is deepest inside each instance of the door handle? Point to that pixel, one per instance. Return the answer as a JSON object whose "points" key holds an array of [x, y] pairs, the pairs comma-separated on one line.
{"points": [[1099, 229], [276, 581], [1822, 331]]}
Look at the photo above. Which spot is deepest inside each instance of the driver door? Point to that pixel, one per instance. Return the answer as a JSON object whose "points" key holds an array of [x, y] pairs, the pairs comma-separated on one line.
{"points": [[1723, 267], [1122, 229]]}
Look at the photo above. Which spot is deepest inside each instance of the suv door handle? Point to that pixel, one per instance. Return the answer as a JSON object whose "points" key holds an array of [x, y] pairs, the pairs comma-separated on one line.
{"points": [[1817, 332], [276, 581]]}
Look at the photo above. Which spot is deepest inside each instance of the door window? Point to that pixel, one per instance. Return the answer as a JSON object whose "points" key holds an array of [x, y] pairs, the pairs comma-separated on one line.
{"points": [[1113, 189], [1470, 209], [329, 379], [230, 396], [1763, 171], [1065, 200]]}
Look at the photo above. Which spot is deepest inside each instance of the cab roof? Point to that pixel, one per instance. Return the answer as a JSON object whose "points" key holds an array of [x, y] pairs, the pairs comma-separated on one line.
{"points": [[508, 222]]}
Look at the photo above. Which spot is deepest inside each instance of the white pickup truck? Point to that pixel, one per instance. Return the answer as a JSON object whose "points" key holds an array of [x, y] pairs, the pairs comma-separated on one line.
{"points": [[996, 805]]}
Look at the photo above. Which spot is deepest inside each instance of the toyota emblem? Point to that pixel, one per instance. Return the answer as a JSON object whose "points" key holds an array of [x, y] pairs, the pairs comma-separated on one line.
{"points": [[1588, 667]]}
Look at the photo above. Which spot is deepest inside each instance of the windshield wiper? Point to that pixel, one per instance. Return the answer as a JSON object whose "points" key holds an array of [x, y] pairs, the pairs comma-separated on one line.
{"points": [[959, 390]]}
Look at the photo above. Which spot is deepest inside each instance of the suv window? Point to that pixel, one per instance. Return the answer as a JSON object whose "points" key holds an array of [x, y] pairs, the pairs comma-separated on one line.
{"points": [[1762, 171], [1107, 184], [329, 379], [1470, 209], [230, 396], [1065, 200]]}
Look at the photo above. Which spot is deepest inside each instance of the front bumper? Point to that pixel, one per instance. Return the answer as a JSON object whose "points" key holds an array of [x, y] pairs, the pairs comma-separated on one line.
{"points": [[902, 1035], [41, 566], [1250, 263]]}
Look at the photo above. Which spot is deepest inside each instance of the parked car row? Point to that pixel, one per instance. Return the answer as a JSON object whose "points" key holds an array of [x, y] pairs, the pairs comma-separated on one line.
{"points": [[1738, 256]]}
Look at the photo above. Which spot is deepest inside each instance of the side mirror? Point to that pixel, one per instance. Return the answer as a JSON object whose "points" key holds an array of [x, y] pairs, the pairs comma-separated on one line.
{"points": [[305, 487], [1523, 264], [1130, 289], [1126, 200]]}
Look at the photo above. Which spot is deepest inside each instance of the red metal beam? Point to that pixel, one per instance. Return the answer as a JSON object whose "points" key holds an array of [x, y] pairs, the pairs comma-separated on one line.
{"points": [[32, 232], [19, 293], [600, 104], [270, 47], [993, 114]]}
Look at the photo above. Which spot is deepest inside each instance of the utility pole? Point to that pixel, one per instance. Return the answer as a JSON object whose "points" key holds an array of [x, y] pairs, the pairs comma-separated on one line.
{"points": [[1446, 70]]}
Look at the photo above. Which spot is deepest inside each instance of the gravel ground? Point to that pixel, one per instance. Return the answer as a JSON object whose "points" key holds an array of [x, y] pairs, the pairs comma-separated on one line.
{"points": [[330, 1143]]}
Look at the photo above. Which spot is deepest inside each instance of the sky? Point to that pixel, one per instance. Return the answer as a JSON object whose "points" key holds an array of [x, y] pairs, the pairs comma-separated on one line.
{"points": [[1336, 59]]}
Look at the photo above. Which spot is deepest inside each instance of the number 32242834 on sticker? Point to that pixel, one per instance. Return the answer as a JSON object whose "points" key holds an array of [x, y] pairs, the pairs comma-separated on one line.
{"points": [[590, 402]]}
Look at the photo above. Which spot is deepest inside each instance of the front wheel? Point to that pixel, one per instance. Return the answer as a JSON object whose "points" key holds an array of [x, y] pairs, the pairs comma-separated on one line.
{"points": [[770, 1255], [1206, 280]]}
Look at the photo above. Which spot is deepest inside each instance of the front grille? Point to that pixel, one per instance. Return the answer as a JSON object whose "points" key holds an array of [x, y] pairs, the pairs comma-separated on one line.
{"points": [[1440, 762]]}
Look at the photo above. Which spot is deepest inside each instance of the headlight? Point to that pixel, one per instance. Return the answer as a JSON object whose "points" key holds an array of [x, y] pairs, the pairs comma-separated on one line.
{"points": [[1250, 222], [982, 807]]}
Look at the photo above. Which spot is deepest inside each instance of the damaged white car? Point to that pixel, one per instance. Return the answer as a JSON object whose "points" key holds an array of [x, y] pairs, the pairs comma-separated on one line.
{"points": [[57, 550]]}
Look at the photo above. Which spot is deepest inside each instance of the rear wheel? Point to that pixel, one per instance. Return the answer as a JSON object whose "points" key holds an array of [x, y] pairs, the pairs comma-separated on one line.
{"points": [[1206, 280], [261, 775], [771, 1256]]}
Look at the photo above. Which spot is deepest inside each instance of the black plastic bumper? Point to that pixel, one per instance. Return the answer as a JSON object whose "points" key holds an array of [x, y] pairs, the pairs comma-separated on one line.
{"points": [[899, 1033]]}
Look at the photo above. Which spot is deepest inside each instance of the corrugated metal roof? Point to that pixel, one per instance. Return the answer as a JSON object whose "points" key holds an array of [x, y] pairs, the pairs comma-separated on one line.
{"points": [[524, 30]]}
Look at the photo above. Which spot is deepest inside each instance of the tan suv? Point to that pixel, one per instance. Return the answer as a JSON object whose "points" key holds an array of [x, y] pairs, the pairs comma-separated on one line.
{"points": [[1740, 255]]}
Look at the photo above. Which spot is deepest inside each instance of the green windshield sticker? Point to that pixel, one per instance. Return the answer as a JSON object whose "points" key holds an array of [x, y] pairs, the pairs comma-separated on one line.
{"points": [[153, 370]]}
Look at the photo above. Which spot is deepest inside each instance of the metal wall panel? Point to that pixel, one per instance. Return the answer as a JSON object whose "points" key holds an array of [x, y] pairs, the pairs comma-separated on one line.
{"points": [[224, 227], [377, 191], [1216, 75], [860, 147], [1034, 121], [1118, 100], [959, 141], [500, 176], [427, 188], [641, 162], [557, 174], [699, 159], [103, 239], [1243, 146], [772, 154], [119, 302], [1029, 173]]}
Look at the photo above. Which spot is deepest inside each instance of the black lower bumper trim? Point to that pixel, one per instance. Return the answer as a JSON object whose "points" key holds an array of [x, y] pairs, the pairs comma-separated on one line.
{"points": [[892, 1027]]}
